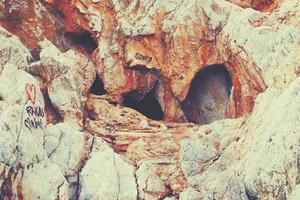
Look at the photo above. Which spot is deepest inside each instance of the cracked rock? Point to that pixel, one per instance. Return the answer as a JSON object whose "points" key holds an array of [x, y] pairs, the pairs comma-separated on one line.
{"points": [[107, 176]]}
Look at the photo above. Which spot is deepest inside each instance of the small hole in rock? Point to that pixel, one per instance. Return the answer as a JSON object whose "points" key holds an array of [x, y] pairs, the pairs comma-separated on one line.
{"points": [[35, 53], [146, 104], [98, 87], [82, 39], [208, 96]]}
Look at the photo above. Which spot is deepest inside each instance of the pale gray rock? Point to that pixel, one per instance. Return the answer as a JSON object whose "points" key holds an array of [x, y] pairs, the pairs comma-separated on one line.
{"points": [[70, 76], [271, 46], [254, 157], [22, 156], [194, 154], [272, 155], [24, 143], [66, 146], [262, 163], [107, 176], [150, 185], [170, 198], [190, 194], [44, 181], [199, 153], [13, 51], [295, 195]]}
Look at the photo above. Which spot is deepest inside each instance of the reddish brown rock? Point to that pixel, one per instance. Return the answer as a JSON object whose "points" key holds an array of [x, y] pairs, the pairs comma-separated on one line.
{"points": [[176, 51], [261, 5], [30, 21]]}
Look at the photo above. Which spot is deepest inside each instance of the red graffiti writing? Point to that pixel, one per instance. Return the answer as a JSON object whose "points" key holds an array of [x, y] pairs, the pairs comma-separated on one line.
{"points": [[31, 92]]}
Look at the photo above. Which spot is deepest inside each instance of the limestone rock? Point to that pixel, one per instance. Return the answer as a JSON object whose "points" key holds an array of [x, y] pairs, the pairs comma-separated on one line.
{"points": [[30, 21], [69, 76], [22, 127], [23, 119], [66, 146], [261, 5], [170, 198], [190, 194], [12, 51], [107, 176], [150, 185], [249, 166], [295, 194], [199, 153], [44, 181], [108, 99], [278, 128]]}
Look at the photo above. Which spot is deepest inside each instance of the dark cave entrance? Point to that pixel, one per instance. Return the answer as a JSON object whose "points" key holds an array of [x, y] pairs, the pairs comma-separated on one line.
{"points": [[82, 39], [145, 104], [208, 96], [98, 87]]}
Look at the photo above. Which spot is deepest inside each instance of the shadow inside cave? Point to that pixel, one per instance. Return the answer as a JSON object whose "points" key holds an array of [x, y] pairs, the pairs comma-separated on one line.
{"points": [[145, 104], [208, 96], [82, 39], [98, 87]]}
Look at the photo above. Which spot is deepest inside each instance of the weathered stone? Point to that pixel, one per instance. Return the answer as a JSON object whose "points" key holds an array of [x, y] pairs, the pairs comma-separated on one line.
{"points": [[107, 176], [30, 21], [261, 165], [66, 146], [295, 194], [69, 77], [23, 119], [26, 172], [66, 133], [150, 185], [12, 51], [190, 194], [44, 181]]}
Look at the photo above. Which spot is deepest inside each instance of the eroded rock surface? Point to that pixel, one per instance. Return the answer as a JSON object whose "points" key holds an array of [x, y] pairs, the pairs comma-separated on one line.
{"points": [[113, 99], [107, 176]]}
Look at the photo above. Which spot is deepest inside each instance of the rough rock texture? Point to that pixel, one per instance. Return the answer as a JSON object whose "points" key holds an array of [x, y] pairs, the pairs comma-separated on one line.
{"points": [[29, 20], [13, 51], [68, 73], [221, 77], [23, 158], [107, 176]]}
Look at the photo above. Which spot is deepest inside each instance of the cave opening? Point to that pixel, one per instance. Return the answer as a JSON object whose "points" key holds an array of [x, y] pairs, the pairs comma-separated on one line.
{"points": [[208, 96], [98, 87], [145, 104], [82, 39]]}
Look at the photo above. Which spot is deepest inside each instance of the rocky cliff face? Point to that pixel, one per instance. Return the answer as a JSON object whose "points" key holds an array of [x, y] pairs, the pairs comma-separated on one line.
{"points": [[148, 99]]}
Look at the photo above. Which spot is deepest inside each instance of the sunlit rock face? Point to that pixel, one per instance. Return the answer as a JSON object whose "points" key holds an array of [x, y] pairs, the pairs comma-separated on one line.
{"points": [[149, 99]]}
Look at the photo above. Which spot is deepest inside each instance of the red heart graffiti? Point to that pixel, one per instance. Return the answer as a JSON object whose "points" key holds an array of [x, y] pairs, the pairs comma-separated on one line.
{"points": [[31, 92]]}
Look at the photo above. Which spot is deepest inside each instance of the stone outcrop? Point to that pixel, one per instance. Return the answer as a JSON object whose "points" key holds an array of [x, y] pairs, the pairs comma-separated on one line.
{"points": [[13, 51], [68, 73], [23, 158], [146, 99], [107, 176]]}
